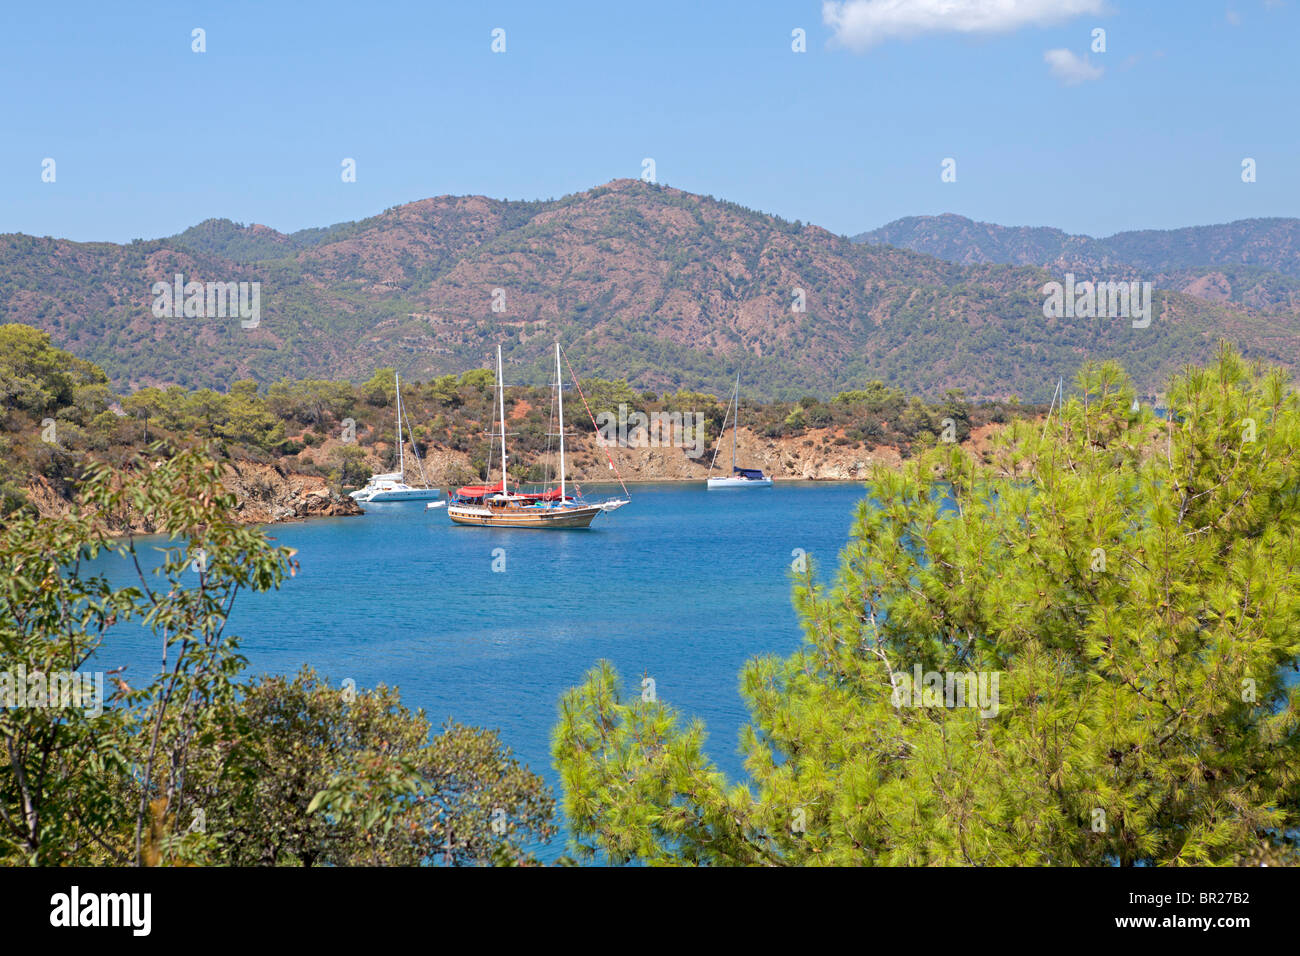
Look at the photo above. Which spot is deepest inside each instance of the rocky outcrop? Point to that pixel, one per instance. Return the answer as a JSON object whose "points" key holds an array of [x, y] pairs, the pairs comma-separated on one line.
{"points": [[265, 494], [819, 454], [269, 493], [811, 456]]}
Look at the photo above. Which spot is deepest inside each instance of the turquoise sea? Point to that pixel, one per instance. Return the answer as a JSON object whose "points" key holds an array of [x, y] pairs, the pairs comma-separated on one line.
{"points": [[682, 585]]}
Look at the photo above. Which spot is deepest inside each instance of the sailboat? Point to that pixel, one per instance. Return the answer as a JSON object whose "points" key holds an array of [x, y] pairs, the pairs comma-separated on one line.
{"points": [[495, 506], [392, 486], [740, 477]]}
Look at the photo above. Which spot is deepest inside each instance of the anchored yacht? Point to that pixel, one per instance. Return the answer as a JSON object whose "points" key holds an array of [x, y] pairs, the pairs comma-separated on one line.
{"points": [[392, 486]]}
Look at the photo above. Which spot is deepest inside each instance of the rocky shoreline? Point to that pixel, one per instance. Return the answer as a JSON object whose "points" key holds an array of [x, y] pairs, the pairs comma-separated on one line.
{"points": [[816, 455], [265, 494], [273, 493], [268, 494]]}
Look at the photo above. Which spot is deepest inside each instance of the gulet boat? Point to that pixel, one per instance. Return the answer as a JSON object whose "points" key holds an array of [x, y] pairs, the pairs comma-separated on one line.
{"points": [[496, 506]]}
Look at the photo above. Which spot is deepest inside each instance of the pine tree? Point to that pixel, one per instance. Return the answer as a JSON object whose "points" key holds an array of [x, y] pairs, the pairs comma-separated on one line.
{"points": [[1131, 582]]}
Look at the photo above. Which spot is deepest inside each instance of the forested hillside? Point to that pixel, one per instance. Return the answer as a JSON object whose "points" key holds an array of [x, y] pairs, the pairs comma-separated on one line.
{"points": [[60, 414], [663, 288], [1252, 262]]}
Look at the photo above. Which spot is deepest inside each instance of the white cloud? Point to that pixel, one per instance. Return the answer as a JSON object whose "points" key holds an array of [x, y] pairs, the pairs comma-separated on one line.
{"points": [[1070, 68], [859, 24]]}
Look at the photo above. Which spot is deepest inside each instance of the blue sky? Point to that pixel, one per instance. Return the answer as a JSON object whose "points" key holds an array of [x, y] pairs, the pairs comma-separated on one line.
{"points": [[149, 137]]}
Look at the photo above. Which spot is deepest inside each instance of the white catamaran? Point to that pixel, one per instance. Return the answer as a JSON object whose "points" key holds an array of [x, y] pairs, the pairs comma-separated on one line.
{"points": [[392, 486], [495, 506], [740, 477]]}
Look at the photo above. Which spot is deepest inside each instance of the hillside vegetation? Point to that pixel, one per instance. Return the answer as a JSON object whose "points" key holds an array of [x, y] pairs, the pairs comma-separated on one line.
{"points": [[61, 417], [1092, 665], [663, 288], [1252, 262]]}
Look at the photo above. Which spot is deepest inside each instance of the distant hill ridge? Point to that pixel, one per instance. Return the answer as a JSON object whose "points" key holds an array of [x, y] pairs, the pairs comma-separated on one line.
{"points": [[1255, 262], [640, 281]]}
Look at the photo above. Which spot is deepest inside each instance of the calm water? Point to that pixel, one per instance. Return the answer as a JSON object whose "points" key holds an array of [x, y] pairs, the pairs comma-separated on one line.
{"points": [[683, 585]]}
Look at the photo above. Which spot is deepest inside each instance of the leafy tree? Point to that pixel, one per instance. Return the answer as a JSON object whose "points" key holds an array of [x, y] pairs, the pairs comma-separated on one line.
{"points": [[381, 389], [305, 773], [82, 786], [311, 402], [444, 391], [915, 419], [478, 379], [37, 377], [277, 771], [954, 407], [876, 397], [351, 465], [686, 401], [245, 388], [88, 402], [1133, 583], [247, 420], [818, 415], [606, 396], [147, 403]]}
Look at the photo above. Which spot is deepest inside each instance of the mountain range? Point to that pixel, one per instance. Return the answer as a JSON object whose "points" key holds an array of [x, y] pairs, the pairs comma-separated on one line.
{"points": [[664, 288], [1251, 262]]}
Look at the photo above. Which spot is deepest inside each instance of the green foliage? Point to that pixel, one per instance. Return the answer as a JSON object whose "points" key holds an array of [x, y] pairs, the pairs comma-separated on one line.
{"points": [[876, 397], [239, 416], [312, 402], [77, 786], [36, 377], [350, 466], [445, 390], [688, 401], [606, 396], [1135, 587], [661, 309], [381, 389], [479, 379], [304, 773], [185, 765]]}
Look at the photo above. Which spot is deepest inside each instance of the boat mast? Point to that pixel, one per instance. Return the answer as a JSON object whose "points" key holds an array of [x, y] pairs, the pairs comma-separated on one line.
{"points": [[501, 390], [401, 461], [735, 425], [559, 391]]}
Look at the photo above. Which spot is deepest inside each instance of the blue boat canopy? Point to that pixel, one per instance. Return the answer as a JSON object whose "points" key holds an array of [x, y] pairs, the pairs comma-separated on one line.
{"points": [[748, 472]]}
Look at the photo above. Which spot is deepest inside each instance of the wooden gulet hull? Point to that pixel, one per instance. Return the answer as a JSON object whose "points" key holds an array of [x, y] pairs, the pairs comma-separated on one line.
{"points": [[539, 518]]}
